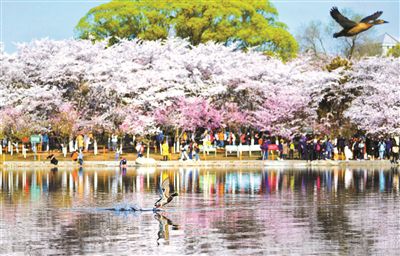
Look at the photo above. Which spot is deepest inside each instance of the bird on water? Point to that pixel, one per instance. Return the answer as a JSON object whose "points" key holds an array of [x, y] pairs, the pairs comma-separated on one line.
{"points": [[352, 28], [165, 196]]}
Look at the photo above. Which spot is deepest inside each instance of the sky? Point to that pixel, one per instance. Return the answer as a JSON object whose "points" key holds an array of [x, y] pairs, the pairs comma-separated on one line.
{"points": [[26, 20]]}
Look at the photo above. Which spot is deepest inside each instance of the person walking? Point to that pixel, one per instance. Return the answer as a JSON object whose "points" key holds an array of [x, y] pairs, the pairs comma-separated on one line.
{"points": [[160, 139], [74, 156], [79, 141], [114, 141], [381, 149], [165, 150], [184, 148], [248, 138], [395, 150], [285, 150], [205, 138], [123, 163], [80, 157], [117, 154], [109, 143], [264, 148], [355, 149], [220, 137], [86, 142], [328, 149], [388, 151], [45, 142], [318, 150], [242, 139], [190, 150], [233, 138], [310, 150], [370, 146], [361, 149], [303, 152], [348, 153], [140, 149], [280, 147], [213, 139], [291, 150], [341, 143], [196, 151]]}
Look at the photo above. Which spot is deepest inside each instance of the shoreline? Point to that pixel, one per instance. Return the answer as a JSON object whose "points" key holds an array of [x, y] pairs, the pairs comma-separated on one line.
{"points": [[211, 163]]}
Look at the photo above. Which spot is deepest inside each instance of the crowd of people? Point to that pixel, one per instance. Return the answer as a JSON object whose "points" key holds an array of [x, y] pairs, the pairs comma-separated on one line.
{"points": [[303, 147]]}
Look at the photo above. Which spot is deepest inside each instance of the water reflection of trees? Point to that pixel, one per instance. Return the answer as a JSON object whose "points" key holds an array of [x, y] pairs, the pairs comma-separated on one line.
{"points": [[319, 197], [331, 210], [207, 182]]}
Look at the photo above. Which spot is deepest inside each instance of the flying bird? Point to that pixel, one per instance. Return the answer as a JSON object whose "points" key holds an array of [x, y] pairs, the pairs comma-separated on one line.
{"points": [[165, 196], [352, 28]]}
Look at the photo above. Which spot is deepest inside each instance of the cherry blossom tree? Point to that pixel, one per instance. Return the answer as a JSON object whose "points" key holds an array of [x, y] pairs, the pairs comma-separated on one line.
{"points": [[16, 125], [137, 122], [137, 86], [189, 114], [284, 112], [376, 107], [65, 122], [233, 117]]}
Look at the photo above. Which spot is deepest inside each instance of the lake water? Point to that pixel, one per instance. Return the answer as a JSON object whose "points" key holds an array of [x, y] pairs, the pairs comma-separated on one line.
{"points": [[218, 212]]}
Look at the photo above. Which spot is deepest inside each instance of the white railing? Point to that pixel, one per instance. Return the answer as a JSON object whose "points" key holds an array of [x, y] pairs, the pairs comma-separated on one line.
{"points": [[241, 148]]}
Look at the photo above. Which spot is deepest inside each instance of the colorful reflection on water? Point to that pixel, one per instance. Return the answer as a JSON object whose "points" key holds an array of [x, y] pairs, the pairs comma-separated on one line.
{"points": [[233, 211]]}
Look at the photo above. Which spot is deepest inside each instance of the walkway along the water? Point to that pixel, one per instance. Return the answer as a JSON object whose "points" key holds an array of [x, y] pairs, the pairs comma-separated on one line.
{"points": [[210, 163]]}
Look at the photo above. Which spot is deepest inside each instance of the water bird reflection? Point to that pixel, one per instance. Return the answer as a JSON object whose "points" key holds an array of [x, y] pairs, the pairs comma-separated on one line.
{"points": [[164, 224]]}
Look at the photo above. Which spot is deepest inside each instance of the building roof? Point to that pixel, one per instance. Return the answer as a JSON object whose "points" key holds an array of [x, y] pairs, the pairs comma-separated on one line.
{"points": [[389, 40]]}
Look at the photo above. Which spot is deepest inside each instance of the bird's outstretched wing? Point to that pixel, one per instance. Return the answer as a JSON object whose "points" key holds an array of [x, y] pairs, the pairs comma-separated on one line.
{"points": [[342, 20], [372, 17], [165, 187]]}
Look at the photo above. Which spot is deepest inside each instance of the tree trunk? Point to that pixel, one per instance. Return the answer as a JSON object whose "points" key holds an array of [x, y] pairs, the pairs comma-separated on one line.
{"points": [[352, 47], [24, 151], [71, 146], [322, 45], [95, 147], [64, 150]]}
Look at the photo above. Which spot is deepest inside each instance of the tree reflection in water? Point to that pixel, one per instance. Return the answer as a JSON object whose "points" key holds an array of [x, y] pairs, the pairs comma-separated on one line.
{"points": [[275, 211], [218, 182]]}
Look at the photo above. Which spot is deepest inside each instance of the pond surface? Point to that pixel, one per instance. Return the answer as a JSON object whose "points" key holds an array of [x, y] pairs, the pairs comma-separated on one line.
{"points": [[218, 212]]}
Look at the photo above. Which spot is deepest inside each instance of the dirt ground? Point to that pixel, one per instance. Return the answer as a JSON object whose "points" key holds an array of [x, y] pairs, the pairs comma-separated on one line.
{"points": [[104, 155]]}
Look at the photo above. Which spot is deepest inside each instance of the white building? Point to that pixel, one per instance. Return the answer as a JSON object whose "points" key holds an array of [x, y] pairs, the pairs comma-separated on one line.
{"points": [[388, 42]]}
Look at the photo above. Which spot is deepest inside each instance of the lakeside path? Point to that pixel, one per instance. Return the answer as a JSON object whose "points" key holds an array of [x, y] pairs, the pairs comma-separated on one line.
{"points": [[211, 163], [220, 160]]}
